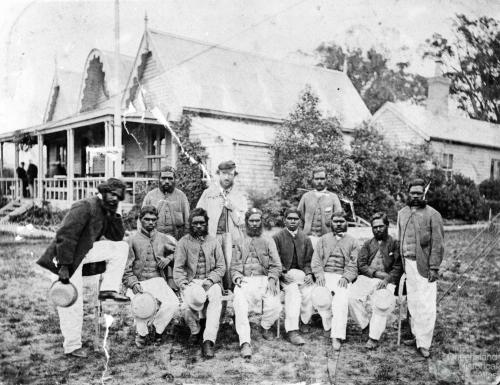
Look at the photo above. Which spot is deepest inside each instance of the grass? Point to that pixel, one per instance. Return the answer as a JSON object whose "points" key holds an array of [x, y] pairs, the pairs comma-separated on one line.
{"points": [[465, 346]]}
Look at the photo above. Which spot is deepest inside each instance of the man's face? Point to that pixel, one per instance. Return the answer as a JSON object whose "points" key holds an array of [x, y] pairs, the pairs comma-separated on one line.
{"points": [[254, 225], [380, 229], [319, 180], [292, 221], [226, 178], [416, 195], [167, 181], [148, 222], [199, 226], [111, 199], [339, 225]]}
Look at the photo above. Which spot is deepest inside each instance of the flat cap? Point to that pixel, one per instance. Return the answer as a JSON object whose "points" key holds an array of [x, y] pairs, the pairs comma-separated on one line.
{"points": [[227, 165]]}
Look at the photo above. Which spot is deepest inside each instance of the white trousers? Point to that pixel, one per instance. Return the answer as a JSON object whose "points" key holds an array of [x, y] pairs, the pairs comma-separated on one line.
{"points": [[335, 318], [298, 304], [360, 306], [421, 295], [71, 318], [211, 312], [169, 304], [253, 297]]}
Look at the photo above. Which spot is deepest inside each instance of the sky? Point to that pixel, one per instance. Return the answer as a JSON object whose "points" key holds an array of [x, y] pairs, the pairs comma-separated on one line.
{"points": [[36, 35]]}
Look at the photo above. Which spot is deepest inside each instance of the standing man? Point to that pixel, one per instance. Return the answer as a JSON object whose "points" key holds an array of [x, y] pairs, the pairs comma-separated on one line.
{"points": [[316, 206], [379, 267], [295, 251], [199, 267], [421, 237], [32, 174], [150, 252], [171, 203], [91, 231], [21, 174], [226, 206], [255, 269], [334, 264]]}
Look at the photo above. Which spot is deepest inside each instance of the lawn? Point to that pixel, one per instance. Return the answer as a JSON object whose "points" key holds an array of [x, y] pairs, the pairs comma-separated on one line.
{"points": [[465, 347]]}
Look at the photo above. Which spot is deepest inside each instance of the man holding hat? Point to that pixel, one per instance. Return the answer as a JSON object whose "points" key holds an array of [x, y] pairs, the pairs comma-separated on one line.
{"points": [[91, 231], [255, 269], [379, 266], [171, 203], [149, 253], [198, 270], [226, 206], [334, 264], [295, 251], [421, 237]]}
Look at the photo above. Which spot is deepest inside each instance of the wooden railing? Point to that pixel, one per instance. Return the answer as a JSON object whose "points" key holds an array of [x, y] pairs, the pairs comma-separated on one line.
{"points": [[10, 188]]}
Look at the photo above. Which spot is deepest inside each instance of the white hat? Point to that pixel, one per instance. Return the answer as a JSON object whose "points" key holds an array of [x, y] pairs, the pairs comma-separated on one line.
{"points": [[321, 298], [195, 296], [143, 305], [296, 275], [63, 294], [382, 301]]}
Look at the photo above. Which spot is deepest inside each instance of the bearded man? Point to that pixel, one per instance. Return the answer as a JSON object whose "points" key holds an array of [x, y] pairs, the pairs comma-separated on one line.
{"points": [[334, 264], [92, 231], [379, 266], [171, 203], [421, 237], [255, 269], [198, 261]]}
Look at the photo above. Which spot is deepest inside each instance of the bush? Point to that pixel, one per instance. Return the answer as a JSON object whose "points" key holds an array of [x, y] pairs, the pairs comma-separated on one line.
{"points": [[488, 205], [271, 205], [43, 217], [490, 189]]}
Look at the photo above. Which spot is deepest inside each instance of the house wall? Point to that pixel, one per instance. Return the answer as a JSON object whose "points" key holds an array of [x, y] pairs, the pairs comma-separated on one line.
{"points": [[255, 167], [152, 83]]}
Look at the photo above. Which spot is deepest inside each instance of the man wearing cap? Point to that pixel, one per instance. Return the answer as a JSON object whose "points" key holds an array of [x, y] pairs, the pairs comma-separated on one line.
{"points": [[171, 203], [91, 231], [199, 267], [149, 253], [379, 267], [226, 206], [316, 206], [255, 269], [295, 251], [334, 264], [421, 237]]}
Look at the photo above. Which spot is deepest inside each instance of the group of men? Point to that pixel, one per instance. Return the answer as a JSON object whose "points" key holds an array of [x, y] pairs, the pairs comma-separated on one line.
{"points": [[220, 245], [27, 178]]}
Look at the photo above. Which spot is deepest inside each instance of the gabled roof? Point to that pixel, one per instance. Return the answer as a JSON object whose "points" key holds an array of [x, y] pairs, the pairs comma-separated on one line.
{"points": [[200, 75], [63, 97], [442, 127]]}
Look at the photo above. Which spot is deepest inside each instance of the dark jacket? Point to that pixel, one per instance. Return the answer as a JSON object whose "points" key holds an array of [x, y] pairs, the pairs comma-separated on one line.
{"points": [[429, 233], [32, 172], [84, 224], [389, 249], [285, 243]]}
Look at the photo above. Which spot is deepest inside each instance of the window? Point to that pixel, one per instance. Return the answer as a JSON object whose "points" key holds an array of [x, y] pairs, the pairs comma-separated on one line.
{"points": [[447, 165], [495, 169]]}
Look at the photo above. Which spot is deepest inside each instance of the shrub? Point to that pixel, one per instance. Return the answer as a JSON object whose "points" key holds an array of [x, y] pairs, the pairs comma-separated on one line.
{"points": [[44, 216], [271, 205], [490, 189]]}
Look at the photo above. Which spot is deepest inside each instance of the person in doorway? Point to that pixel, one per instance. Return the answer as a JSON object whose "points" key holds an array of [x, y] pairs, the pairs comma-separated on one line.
{"points": [[23, 176], [32, 174]]}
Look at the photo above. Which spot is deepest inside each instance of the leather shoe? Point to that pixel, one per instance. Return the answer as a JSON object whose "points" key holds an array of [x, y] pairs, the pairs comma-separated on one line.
{"points": [[112, 295], [267, 334], [336, 344], [140, 341], [371, 344], [194, 339], [306, 328], [295, 338], [424, 352], [409, 342], [79, 353], [207, 349], [246, 350]]}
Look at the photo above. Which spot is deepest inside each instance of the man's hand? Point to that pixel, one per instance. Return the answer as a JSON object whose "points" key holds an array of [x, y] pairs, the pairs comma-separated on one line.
{"points": [[433, 275], [272, 288], [137, 288], [64, 274], [382, 284], [308, 280], [207, 284], [229, 205], [381, 275], [163, 262], [343, 282], [320, 280], [238, 281], [170, 247], [183, 286], [286, 279]]}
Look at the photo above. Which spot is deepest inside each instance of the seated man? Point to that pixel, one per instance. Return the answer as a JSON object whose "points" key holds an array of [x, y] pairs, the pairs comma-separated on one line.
{"points": [[334, 264], [295, 250], [379, 267], [149, 253], [91, 231], [198, 260], [255, 270]]}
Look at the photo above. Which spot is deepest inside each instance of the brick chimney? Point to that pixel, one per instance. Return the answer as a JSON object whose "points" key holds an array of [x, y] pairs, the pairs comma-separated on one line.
{"points": [[438, 92]]}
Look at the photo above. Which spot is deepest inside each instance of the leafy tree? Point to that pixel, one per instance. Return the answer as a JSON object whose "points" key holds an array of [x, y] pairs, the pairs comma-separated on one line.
{"points": [[306, 140], [472, 63], [371, 76]]}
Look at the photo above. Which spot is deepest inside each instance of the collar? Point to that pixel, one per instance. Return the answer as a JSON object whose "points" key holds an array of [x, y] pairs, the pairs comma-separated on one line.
{"points": [[292, 233], [148, 235], [339, 235]]}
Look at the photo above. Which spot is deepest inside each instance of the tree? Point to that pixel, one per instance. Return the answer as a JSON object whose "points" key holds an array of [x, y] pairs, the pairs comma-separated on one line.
{"points": [[306, 140], [472, 63], [371, 76]]}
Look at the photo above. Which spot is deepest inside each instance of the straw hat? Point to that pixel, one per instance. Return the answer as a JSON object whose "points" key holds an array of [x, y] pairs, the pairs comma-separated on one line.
{"points": [[296, 275], [321, 298], [195, 297], [382, 301], [143, 305], [63, 294]]}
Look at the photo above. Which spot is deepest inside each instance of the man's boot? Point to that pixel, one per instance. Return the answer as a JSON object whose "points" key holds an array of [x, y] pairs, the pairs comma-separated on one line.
{"points": [[140, 341], [246, 350], [336, 344], [207, 349], [371, 344], [424, 352], [295, 338], [78, 353], [267, 334]]}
